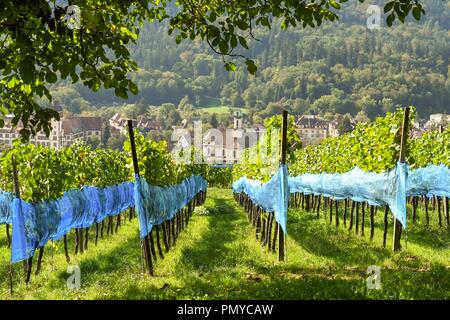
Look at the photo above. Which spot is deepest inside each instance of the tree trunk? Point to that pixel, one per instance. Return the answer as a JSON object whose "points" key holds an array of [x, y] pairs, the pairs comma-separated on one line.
{"points": [[29, 269], [337, 213], [158, 242], [351, 216], [386, 221], [363, 218], [438, 200], [8, 236], [164, 232], [66, 251], [152, 246], [39, 263], [318, 206], [331, 210], [372, 222], [87, 239], [96, 233], [345, 212], [77, 241], [357, 218], [274, 243]]}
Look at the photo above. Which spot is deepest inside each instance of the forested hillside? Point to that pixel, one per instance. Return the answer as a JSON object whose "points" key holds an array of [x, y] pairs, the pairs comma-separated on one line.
{"points": [[337, 68]]}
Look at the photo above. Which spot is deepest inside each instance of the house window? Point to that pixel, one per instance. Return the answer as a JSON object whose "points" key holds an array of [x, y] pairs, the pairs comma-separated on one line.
{"points": [[235, 142], [247, 142]]}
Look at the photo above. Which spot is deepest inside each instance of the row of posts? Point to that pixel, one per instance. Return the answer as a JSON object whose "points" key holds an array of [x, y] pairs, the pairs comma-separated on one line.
{"points": [[397, 225]]}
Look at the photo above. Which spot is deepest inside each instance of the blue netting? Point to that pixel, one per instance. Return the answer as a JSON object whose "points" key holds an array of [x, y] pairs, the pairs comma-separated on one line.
{"points": [[272, 196], [376, 188], [433, 180], [34, 224], [154, 205], [6, 199]]}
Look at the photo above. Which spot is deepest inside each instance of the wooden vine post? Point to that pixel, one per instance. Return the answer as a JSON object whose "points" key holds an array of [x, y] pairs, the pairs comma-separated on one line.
{"points": [[146, 241], [397, 225], [283, 162]]}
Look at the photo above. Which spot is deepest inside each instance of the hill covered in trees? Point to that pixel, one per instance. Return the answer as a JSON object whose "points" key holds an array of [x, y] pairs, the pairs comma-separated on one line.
{"points": [[337, 68]]}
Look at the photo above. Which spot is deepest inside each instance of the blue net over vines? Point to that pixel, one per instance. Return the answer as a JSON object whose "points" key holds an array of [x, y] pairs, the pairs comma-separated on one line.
{"points": [[432, 180], [377, 189], [154, 204], [34, 224], [6, 199], [272, 196]]}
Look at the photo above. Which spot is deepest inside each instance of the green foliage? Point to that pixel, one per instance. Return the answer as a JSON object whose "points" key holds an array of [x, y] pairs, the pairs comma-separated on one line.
{"points": [[260, 161], [45, 173], [219, 177], [372, 146], [430, 148], [338, 68], [158, 166], [39, 45]]}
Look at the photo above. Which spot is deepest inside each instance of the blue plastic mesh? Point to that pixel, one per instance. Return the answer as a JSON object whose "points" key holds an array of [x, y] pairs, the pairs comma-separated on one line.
{"points": [[433, 180], [272, 196], [375, 188], [34, 224], [154, 205], [6, 199]]}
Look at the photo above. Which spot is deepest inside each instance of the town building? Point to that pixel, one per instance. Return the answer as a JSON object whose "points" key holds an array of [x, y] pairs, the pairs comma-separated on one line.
{"points": [[81, 129], [312, 129], [142, 123], [226, 145], [436, 121], [64, 132]]}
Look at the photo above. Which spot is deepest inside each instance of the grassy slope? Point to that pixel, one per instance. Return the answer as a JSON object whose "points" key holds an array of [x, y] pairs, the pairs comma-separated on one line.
{"points": [[220, 109], [217, 257]]}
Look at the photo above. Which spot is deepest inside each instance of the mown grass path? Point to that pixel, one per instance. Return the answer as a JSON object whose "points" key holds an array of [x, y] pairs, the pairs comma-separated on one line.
{"points": [[218, 257]]}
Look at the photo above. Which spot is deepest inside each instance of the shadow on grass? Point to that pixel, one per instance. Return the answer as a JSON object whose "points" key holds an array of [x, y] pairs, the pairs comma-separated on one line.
{"points": [[221, 266], [223, 229], [431, 236], [323, 240]]}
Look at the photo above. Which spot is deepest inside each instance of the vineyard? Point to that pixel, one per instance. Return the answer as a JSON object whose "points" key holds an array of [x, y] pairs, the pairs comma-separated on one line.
{"points": [[373, 166], [55, 191], [185, 244]]}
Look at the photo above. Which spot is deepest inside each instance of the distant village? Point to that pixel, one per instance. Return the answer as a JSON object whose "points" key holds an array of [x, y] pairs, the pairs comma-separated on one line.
{"points": [[222, 145]]}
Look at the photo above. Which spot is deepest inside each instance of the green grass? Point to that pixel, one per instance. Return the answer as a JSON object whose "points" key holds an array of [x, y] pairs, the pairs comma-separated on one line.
{"points": [[219, 109], [218, 257]]}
